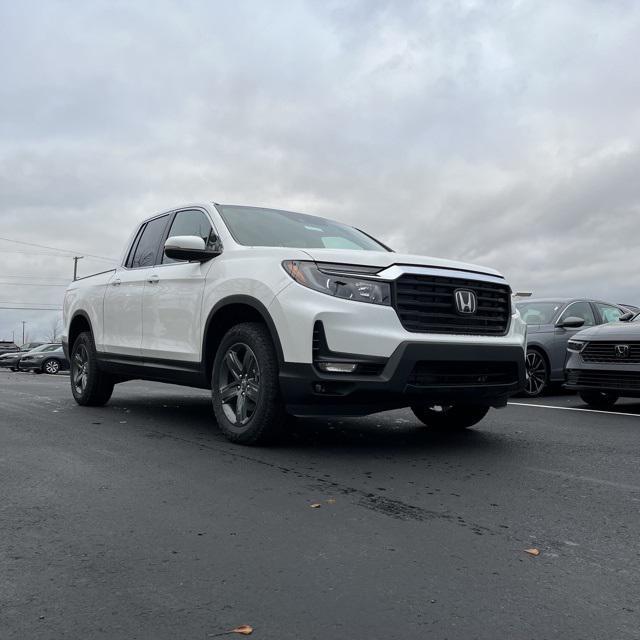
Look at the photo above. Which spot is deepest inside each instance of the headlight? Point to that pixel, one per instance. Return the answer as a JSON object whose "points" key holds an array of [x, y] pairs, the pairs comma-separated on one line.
{"points": [[576, 345], [341, 286]]}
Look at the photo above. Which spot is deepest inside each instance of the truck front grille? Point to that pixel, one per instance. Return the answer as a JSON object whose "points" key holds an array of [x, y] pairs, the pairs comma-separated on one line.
{"points": [[605, 352], [622, 380], [452, 374], [426, 304]]}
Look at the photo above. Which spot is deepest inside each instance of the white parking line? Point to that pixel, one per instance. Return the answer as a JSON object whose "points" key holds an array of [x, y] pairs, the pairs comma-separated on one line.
{"points": [[550, 406]]}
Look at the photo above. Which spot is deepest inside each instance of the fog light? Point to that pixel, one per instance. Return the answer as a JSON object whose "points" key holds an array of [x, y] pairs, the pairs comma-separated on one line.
{"points": [[337, 367]]}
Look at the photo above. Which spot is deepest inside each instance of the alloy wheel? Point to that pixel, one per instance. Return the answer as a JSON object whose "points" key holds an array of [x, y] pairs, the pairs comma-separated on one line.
{"points": [[80, 369], [52, 367], [536, 373], [239, 384]]}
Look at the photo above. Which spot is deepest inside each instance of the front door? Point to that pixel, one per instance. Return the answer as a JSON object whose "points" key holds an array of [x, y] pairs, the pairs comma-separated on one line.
{"points": [[581, 309], [173, 297]]}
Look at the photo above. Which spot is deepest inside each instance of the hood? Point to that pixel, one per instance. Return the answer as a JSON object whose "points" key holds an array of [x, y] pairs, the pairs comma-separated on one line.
{"points": [[611, 331], [387, 258]]}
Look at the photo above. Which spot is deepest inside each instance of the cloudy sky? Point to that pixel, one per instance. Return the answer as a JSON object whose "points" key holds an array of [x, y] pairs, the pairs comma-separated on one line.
{"points": [[502, 133]]}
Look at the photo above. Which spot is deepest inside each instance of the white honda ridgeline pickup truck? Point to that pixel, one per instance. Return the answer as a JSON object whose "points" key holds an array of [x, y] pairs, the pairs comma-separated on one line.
{"points": [[283, 313]]}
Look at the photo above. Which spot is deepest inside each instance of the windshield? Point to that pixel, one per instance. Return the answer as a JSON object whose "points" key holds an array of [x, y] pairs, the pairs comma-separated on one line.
{"points": [[538, 312], [256, 227]]}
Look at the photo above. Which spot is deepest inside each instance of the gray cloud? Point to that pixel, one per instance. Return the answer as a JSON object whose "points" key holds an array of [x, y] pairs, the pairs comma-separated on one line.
{"points": [[503, 133]]}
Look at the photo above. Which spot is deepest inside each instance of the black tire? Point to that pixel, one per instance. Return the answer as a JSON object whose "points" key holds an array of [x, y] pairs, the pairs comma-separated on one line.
{"points": [[599, 399], [51, 366], [245, 388], [449, 417], [90, 386], [537, 374], [14, 369]]}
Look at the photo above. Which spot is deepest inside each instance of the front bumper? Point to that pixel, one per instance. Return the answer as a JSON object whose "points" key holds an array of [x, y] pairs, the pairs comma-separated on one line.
{"points": [[28, 366], [621, 379], [416, 373]]}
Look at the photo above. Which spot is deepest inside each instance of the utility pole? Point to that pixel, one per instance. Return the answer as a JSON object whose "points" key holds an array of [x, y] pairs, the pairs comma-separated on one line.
{"points": [[75, 266], [23, 323]]}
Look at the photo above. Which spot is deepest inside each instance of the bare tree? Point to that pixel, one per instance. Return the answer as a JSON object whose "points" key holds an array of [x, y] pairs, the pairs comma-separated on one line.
{"points": [[55, 329]]}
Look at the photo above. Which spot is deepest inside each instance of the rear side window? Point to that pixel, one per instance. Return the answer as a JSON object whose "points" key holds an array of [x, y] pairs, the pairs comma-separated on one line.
{"points": [[608, 312], [190, 223], [149, 243]]}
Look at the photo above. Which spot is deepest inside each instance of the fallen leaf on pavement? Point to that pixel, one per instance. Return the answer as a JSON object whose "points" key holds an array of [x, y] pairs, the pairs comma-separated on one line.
{"points": [[244, 630], [315, 505], [532, 552]]}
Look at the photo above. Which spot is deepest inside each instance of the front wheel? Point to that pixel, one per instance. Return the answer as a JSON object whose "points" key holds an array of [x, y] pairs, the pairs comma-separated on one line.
{"points": [[51, 367], [599, 399], [245, 387], [89, 385], [537, 374], [449, 417]]}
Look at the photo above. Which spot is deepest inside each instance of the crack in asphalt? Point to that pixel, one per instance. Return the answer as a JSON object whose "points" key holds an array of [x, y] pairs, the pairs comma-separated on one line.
{"points": [[375, 502]]}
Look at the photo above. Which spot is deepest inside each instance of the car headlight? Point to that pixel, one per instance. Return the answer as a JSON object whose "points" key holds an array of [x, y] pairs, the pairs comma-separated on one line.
{"points": [[576, 345], [308, 274]]}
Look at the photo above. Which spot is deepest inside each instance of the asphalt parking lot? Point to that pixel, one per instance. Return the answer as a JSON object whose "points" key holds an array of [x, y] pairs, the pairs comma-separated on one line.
{"points": [[138, 520]]}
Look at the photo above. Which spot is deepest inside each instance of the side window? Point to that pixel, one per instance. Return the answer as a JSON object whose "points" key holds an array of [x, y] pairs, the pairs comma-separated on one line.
{"points": [[149, 243], [190, 223], [134, 244], [580, 310], [608, 312]]}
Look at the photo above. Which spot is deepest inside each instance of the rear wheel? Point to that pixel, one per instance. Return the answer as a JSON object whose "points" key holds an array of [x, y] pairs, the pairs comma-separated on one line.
{"points": [[89, 385], [51, 366], [449, 416], [245, 386], [537, 374], [599, 399]]}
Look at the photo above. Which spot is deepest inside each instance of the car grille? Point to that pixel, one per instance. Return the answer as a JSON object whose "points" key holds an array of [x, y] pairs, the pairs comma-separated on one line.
{"points": [[604, 352], [438, 373], [426, 304], [623, 380]]}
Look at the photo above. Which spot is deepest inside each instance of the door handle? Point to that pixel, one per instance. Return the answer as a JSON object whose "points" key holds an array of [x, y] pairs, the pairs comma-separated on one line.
{"points": [[153, 280], [116, 282]]}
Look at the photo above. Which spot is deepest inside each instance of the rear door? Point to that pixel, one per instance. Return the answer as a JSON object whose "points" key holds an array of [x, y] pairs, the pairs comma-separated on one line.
{"points": [[125, 292], [173, 296]]}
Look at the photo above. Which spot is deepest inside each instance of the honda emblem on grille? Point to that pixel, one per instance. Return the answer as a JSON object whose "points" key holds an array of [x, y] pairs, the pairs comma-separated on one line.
{"points": [[466, 301], [622, 351]]}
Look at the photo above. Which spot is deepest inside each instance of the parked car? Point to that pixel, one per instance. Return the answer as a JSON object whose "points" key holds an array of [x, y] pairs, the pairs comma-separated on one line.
{"points": [[48, 358], [279, 312], [7, 347], [551, 323], [604, 363], [10, 360]]}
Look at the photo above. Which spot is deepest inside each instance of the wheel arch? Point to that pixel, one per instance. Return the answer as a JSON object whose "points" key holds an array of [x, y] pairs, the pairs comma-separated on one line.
{"points": [[79, 323], [542, 351], [228, 312]]}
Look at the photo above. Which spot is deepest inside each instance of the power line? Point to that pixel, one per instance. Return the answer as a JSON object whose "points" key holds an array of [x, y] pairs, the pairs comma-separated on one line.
{"points": [[4, 275], [40, 304], [31, 284], [44, 246], [32, 308], [36, 253]]}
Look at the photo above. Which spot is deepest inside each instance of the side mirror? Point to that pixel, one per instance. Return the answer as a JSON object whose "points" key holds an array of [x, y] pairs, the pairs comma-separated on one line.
{"points": [[625, 317], [571, 323], [188, 248]]}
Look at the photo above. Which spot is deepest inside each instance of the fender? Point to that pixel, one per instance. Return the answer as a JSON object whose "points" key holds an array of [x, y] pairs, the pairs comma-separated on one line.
{"points": [[66, 344], [255, 304]]}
